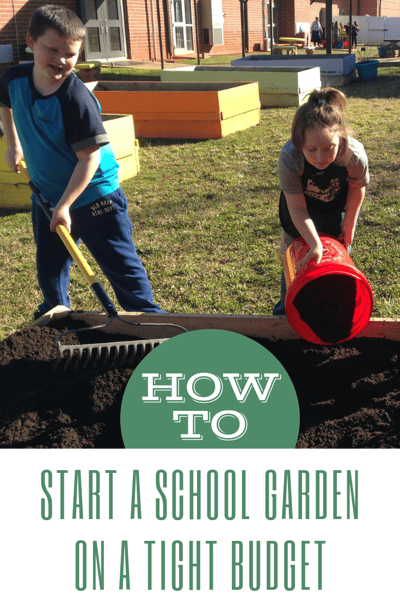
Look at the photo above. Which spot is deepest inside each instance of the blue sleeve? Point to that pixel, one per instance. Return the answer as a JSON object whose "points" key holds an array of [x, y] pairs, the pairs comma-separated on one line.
{"points": [[82, 118]]}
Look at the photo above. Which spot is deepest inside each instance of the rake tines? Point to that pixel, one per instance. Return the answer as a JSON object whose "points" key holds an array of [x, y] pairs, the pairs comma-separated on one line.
{"points": [[104, 356]]}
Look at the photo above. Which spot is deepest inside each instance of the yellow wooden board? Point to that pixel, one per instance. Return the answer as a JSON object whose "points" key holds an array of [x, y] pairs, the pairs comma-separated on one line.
{"points": [[15, 196], [16, 193]]}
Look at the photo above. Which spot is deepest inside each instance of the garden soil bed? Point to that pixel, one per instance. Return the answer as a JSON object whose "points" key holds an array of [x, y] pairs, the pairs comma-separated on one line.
{"points": [[349, 395]]}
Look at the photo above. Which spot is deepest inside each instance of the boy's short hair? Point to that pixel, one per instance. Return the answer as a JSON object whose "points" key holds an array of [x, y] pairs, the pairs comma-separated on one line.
{"points": [[63, 20]]}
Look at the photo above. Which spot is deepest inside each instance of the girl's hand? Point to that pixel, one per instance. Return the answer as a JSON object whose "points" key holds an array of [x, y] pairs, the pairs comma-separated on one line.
{"points": [[346, 237], [314, 253], [61, 216], [13, 157]]}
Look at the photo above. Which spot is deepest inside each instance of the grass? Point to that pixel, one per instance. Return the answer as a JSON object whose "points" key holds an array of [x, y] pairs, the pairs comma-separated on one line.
{"points": [[205, 218]]}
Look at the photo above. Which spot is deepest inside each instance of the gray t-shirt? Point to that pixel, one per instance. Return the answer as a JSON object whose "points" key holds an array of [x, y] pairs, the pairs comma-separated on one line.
{"points": [[291, 167], [325, 191]]}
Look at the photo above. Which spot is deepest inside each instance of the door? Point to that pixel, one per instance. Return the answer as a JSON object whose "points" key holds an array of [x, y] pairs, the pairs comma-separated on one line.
{"points": [[274, 23], [105, 33], [183, 26]]}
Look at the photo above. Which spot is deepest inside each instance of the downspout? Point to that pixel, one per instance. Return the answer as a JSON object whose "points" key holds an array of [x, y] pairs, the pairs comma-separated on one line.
{"points": [[271, 17], [16, 28], [167, 21], [160, 34], [242, 26], [154, 30], [264, 33], [196, 23], [350, 19], [246, 19]]}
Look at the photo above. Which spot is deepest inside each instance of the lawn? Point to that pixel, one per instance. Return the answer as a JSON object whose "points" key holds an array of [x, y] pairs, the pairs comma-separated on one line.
{"points": [[206, 224]]}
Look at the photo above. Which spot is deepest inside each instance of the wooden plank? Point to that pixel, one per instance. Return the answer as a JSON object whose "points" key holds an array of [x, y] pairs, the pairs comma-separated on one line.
{"points": [[271, 80], [16, 193], [128, 167], [233, 112], [271, 100], [121, 133], [8, 176], [153, 102], [185, 130], [15, 196], [176, 116], [240, 122], [264, 327], [244, 100]]}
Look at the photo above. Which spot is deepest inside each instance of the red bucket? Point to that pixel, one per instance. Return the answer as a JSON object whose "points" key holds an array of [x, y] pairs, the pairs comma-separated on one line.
{"points": [[329, 302]]}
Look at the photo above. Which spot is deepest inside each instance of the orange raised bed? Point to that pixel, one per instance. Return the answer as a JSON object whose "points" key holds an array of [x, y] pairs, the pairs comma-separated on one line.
{"points": [[182, 110]]}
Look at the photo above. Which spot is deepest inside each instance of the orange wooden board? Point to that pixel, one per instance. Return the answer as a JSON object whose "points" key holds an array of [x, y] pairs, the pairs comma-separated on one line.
{"points": [[183, 110]]}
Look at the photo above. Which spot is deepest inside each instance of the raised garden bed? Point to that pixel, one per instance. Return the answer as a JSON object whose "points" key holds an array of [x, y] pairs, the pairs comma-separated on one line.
{"points": [[349, 394], [279, 84], [15, 192], [336, 69], [182, 110]]}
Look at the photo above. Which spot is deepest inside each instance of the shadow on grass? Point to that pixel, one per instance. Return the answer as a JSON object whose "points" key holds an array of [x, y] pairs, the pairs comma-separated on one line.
{"points": [[386, 85], [158, 141], [12, 211]]}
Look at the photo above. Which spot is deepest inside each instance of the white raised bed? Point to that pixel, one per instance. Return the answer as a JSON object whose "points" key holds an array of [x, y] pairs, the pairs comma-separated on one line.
{"points": [[336, 69]]}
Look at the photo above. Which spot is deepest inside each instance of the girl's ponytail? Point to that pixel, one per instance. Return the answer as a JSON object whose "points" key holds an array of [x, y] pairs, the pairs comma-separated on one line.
{"points": [[331, 96]]}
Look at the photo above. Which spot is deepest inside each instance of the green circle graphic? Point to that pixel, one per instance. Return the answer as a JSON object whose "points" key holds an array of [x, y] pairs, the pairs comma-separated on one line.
{"points": [[210, 389]]}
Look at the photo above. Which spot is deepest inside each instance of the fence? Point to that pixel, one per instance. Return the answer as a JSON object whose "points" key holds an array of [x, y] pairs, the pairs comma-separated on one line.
{"points": [[374, 31]]}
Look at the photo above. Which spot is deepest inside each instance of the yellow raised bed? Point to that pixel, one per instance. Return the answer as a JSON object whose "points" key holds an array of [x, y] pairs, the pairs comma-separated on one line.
{"points": [[15, 192]]}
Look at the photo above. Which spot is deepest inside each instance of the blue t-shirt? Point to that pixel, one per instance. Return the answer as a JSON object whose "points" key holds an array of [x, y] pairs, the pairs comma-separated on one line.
{"points": [[52, 128]]}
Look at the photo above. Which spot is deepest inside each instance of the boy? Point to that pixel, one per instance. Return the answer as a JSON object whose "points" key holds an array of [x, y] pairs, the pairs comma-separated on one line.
{"points": [[52, 121]]}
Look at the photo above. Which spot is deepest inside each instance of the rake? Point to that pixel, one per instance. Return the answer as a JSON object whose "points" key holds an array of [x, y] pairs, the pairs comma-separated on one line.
{"points": [[106, 355]]}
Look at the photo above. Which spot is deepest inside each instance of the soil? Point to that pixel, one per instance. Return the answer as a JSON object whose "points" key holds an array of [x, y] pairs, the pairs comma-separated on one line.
{"points": [[349, 394]]}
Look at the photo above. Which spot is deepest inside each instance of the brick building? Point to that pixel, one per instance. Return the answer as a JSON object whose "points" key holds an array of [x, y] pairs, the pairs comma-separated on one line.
{"points": [[133, 28]]}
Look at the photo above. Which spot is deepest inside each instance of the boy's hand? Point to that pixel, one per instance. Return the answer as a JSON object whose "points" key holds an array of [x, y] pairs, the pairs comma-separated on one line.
{"points": [[13, 157], [61, 216]]}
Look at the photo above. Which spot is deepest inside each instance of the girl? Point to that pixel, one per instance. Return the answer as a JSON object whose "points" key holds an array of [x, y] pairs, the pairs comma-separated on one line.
{"points": [[323, 174]]}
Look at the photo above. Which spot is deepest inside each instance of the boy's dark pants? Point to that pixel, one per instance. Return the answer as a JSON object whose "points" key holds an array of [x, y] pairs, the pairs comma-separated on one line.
{"points": [[106, 230]]}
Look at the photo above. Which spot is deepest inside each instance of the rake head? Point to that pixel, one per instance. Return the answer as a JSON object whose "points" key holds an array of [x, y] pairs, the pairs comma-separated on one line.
{"points": [[103, 356]]}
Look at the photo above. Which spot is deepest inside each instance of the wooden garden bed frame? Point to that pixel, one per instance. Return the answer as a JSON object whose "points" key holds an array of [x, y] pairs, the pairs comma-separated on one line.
{"points": [[264, 327]]}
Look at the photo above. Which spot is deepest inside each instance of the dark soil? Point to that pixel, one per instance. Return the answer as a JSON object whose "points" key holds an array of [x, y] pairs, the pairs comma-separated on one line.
{"points": [[349, 394]]}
